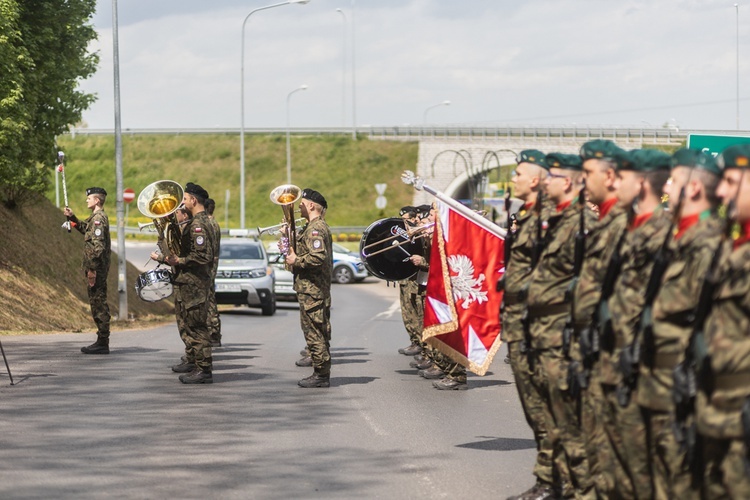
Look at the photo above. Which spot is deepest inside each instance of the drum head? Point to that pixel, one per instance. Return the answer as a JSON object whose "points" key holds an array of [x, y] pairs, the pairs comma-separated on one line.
{"points": [[391, 261], [154, 285]]}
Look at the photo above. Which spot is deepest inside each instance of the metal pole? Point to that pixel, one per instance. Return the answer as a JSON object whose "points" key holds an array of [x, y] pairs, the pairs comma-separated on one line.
{"points": [[288, 143], [10, 376], [424, 115], [343, 72], [122, 281], [354, 84]]}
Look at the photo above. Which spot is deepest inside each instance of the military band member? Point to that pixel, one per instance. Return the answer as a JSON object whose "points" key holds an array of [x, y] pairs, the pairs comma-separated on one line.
{"points": [[214, 321], [312, 265], [96, 256], [694, 179], [408, 292], [193, 283], [723, 399], [528, 185]]}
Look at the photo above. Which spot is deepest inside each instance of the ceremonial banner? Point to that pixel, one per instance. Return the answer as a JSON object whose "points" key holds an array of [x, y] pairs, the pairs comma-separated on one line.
{"points": [[461, 310]]}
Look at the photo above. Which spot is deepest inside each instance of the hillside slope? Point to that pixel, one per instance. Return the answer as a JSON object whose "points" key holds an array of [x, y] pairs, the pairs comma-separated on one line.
{"points": [[41, 284]]}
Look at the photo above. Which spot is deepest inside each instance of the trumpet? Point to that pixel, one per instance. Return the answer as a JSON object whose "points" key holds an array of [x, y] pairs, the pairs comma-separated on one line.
{"points": [[278, 228]]}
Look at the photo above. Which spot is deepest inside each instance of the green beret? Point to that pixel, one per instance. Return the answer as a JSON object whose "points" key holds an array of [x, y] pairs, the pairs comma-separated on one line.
{"points": [[96, 190], [646, 160], [562, 160], [531, 156], [602, 149], [737, 156], [695, 158]]}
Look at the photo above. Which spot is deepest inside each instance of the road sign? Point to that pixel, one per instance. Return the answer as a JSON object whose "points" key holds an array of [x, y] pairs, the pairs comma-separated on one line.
{"points": [[380, 202], [380, 188], [128, 195], [714, 144]]}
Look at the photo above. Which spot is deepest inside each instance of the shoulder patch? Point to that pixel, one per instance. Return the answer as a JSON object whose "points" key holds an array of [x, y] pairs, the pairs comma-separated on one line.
{"points": [[317, 244], [199, 240]]}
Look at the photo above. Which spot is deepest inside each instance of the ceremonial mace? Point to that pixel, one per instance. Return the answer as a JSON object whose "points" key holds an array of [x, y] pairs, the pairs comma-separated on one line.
{"points": [[61, 169]]}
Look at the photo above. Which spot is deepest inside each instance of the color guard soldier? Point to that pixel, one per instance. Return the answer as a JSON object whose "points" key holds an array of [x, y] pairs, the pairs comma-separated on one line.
{"points": [[96, 255], [408, 291], [312, 265]]}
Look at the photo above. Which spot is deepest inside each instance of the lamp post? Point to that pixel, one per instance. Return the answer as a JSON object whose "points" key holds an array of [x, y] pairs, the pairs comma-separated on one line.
{"points": [[424, 115], [242, 104], [737, 17], [343, 72], [288, 148], [354, 85]]}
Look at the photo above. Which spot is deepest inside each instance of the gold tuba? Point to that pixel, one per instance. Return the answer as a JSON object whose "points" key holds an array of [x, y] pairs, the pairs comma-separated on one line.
{"points": [[159, 201], [287, 195]]}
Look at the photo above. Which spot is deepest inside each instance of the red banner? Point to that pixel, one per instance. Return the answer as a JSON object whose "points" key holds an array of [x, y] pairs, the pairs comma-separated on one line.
{"points": [[461, 310]]}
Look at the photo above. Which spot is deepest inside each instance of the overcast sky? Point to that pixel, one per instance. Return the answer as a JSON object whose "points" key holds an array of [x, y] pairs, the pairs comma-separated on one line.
{"points": [[532, 62]]}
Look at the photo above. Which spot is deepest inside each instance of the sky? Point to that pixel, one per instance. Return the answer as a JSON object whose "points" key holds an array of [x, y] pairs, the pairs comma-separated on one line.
{"points": [[636, 63]]}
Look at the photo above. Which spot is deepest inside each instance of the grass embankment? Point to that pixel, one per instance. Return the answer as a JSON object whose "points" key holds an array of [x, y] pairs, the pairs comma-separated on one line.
{"points": [[345, 171]]}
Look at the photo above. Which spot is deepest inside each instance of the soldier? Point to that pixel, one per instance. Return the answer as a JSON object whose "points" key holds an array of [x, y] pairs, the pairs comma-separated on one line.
{"points": [[600, 158], [547, 309], [193, 286], [214, 321], [640, 186], [408, 290], [312, 265], [528, 184], [694, 179], [96, 252], [723, 399]]}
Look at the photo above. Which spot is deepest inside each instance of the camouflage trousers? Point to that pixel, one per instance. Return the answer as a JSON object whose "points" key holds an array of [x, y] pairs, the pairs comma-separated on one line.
{"points": [[564, 426], [412, 311], [627, 471], [671, 478], [597, 450], [193, 328], [214, 321], [315, 320], [533, 409], [726, 473], [98, 303]]}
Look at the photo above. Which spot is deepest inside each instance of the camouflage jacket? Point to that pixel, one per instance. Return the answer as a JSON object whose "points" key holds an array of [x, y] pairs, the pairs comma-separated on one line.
{"points": [[196, 261], [628, 299], [97, 246], [673, 311], [314, 265], [217, 245], [553, 276], [728, 337]]}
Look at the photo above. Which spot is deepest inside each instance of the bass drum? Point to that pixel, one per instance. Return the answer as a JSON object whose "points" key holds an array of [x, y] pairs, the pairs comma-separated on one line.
{"points": [[388, 239], [154, 285]]}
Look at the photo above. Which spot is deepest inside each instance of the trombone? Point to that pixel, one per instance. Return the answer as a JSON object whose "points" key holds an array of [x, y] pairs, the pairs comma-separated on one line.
{"points": [[408, 237]]}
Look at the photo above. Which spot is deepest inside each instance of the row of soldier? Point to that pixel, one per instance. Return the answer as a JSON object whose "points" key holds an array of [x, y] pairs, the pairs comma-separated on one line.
{"points": [[627, 320]]}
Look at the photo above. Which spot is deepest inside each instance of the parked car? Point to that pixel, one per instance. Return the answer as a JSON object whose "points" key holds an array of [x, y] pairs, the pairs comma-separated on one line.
{"points": [[244, 276], [347, 266], [284, 288]]}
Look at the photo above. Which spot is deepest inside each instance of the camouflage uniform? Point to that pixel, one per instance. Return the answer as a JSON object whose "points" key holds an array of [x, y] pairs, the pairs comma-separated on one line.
{"points": [[624, 426], [97, 248], [601, 243], [193, 283], [723, 392], [410, 309], [515, 280], [690, 258], [547, 313], [312, 282], [214, 321]]}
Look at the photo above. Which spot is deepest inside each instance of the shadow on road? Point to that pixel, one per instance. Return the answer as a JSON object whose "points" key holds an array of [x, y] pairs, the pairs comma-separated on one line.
{"points": [[500, 444]]}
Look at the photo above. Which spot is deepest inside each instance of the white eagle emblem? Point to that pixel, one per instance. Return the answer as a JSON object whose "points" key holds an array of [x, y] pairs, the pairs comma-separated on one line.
{"points": [[465, 286]]}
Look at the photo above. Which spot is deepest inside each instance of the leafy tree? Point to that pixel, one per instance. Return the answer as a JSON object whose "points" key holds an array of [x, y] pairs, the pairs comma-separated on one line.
{"points": [[43, 56]]}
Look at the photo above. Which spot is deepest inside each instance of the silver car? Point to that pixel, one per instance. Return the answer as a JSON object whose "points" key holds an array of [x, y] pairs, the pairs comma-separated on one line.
{"points": [[244, 276], [347, 266], [284, 287]]}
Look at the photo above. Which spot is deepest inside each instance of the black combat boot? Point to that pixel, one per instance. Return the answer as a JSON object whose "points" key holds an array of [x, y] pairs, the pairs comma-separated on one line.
{"points": [[315, 380], [184, 367], [432, 372], [101, 346], [197, 376], [540, 491], [306, 361]]}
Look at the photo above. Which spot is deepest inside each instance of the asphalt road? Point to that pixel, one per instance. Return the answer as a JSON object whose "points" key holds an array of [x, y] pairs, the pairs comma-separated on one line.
{"points": [[122, 426]]}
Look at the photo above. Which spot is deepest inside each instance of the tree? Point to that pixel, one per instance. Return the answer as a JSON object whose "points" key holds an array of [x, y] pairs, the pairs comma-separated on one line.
{"points": [[43, 56]]}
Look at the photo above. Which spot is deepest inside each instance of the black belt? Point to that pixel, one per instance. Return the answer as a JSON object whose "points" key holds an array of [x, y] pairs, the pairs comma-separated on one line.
{"points": [[548, 310]]}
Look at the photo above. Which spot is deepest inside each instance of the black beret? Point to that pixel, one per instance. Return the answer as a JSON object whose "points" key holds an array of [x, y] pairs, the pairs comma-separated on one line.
{"points": [[96, 190], [408, 209], [312, 195], [424, 210], [196, 190]]}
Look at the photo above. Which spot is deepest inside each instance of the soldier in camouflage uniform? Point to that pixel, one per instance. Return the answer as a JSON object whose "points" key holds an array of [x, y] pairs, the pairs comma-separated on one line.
{"points": [[600, 158], [96, 255], [723, 399], [548, 308], [193, 282], [312, 265], [408, 294], [214, 321], [528, 184], [691, 251], [639, 185]]}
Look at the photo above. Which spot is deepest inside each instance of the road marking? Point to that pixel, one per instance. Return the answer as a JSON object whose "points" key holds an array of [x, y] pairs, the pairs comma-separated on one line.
{"points": [[387, 314]]}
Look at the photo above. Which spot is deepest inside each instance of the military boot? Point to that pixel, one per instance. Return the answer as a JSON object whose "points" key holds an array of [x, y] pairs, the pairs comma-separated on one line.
{"points": [[101, 346], [449, 384], [306, 361], [184, 367], [304, 352], [432, 372], [315, 380], [413, 350], [197, 376]]}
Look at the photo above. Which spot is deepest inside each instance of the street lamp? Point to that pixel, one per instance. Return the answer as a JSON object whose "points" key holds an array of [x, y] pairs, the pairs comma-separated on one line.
{"points": [[737, 16], [242, 104], [343, 73], [424, 115], [288, 149], [354, 84]]}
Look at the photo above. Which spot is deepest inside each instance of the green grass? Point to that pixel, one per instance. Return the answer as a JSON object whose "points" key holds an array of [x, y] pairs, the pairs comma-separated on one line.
{"points": [[343, 170]]}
